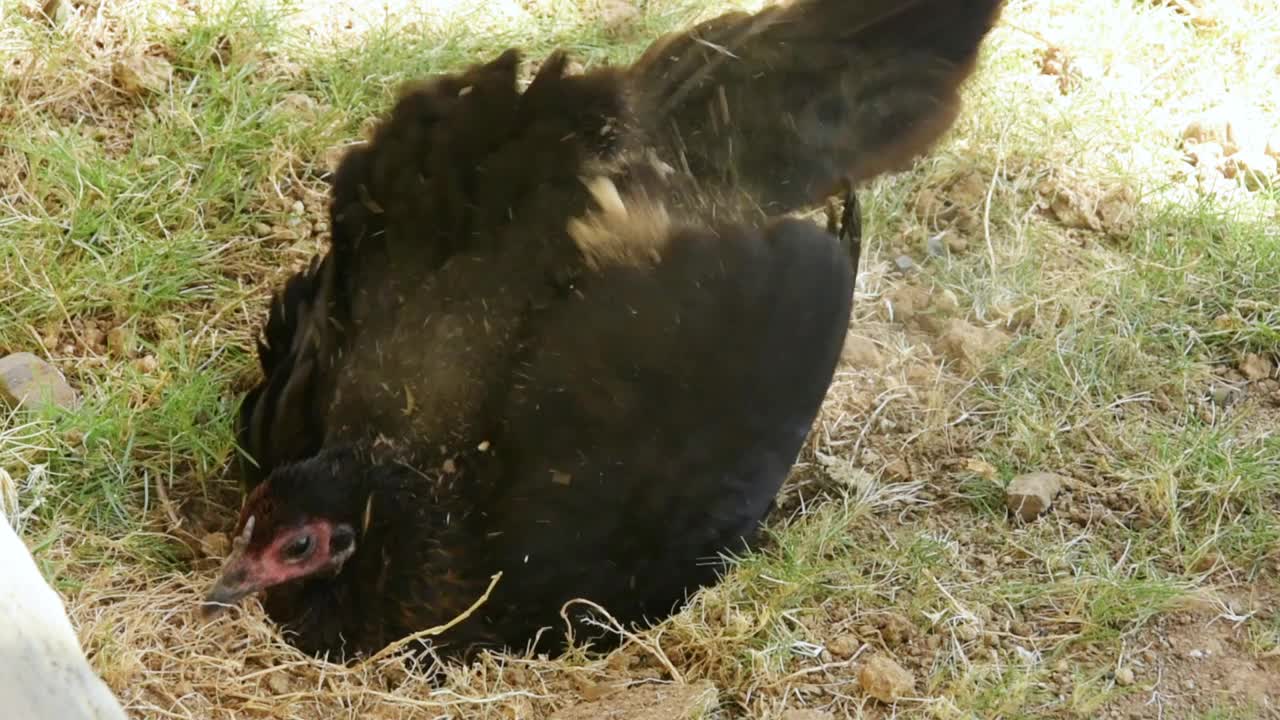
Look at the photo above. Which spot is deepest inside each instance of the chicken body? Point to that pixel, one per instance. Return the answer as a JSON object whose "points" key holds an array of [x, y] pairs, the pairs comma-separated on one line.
{"points": [[562, 333]]}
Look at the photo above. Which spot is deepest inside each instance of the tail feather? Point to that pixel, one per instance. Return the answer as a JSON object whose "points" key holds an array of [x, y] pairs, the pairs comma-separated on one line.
{"points": [[789, 102]]}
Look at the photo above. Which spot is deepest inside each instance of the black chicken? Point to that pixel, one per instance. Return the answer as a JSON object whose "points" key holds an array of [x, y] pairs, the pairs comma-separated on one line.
{"points": [[562, 333]]}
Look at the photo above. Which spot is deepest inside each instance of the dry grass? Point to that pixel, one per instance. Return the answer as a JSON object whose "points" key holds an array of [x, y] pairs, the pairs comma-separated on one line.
{"points": [[1128, 288]]}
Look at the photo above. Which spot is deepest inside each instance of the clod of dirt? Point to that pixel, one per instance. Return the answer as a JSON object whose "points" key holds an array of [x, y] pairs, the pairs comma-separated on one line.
{"points": [[215, 545], [1071, 72], [1125, 677], [861, 352], [120, 342], [616, 16], [1255, 169], [904, 302], [885, 680], [1205, 154], [1236, 129], [1031, 494], [945, 302], [1255, 367], [969, 191], [27, 380], [142, 74], [298, 104], [1211, 126], [807, 715], [971, 347], [647, 702], [844, 646]]}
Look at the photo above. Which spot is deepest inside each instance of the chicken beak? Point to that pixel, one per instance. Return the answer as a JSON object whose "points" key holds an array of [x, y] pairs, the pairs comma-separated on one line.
{"points": [[232, 587], [236, 582]]}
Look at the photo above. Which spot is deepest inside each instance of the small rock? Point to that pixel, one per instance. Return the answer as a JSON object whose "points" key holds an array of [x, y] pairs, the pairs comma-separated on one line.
{"points": [[142, 74], [1225, 395], [1124, 677], [1256, 367], [26, 379], [146, 364], [1031, 494], [215, 545], [885, 680], [861, 352], [844, 646], [261, 229], [936, 245], [904, 264], [297, 208], [970, 346]]}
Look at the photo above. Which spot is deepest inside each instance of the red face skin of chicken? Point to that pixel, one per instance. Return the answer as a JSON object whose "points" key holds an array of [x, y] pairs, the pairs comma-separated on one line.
{"points": [[288, 553]]}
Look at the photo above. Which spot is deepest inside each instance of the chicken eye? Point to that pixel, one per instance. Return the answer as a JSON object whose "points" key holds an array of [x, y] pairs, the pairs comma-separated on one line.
{"points": [[298, 548]]}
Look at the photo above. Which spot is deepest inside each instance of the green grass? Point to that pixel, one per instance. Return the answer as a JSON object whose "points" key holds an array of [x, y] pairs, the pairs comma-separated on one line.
{"points": [[142, 219]]}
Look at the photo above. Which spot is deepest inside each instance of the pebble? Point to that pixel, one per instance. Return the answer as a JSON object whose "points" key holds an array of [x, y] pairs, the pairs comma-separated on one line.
{"points": [[936, 246], [885, 680], [904, 264], [1031, 494], [26, 379], [1124, 677], [1225, 395]]}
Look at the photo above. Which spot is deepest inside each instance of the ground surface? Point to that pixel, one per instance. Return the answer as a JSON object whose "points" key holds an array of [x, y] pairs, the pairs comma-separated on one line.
{"points": [[1090, 295]]}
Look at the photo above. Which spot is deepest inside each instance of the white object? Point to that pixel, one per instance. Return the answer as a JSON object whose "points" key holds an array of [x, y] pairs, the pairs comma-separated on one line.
{"points": [[44, 674]]}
